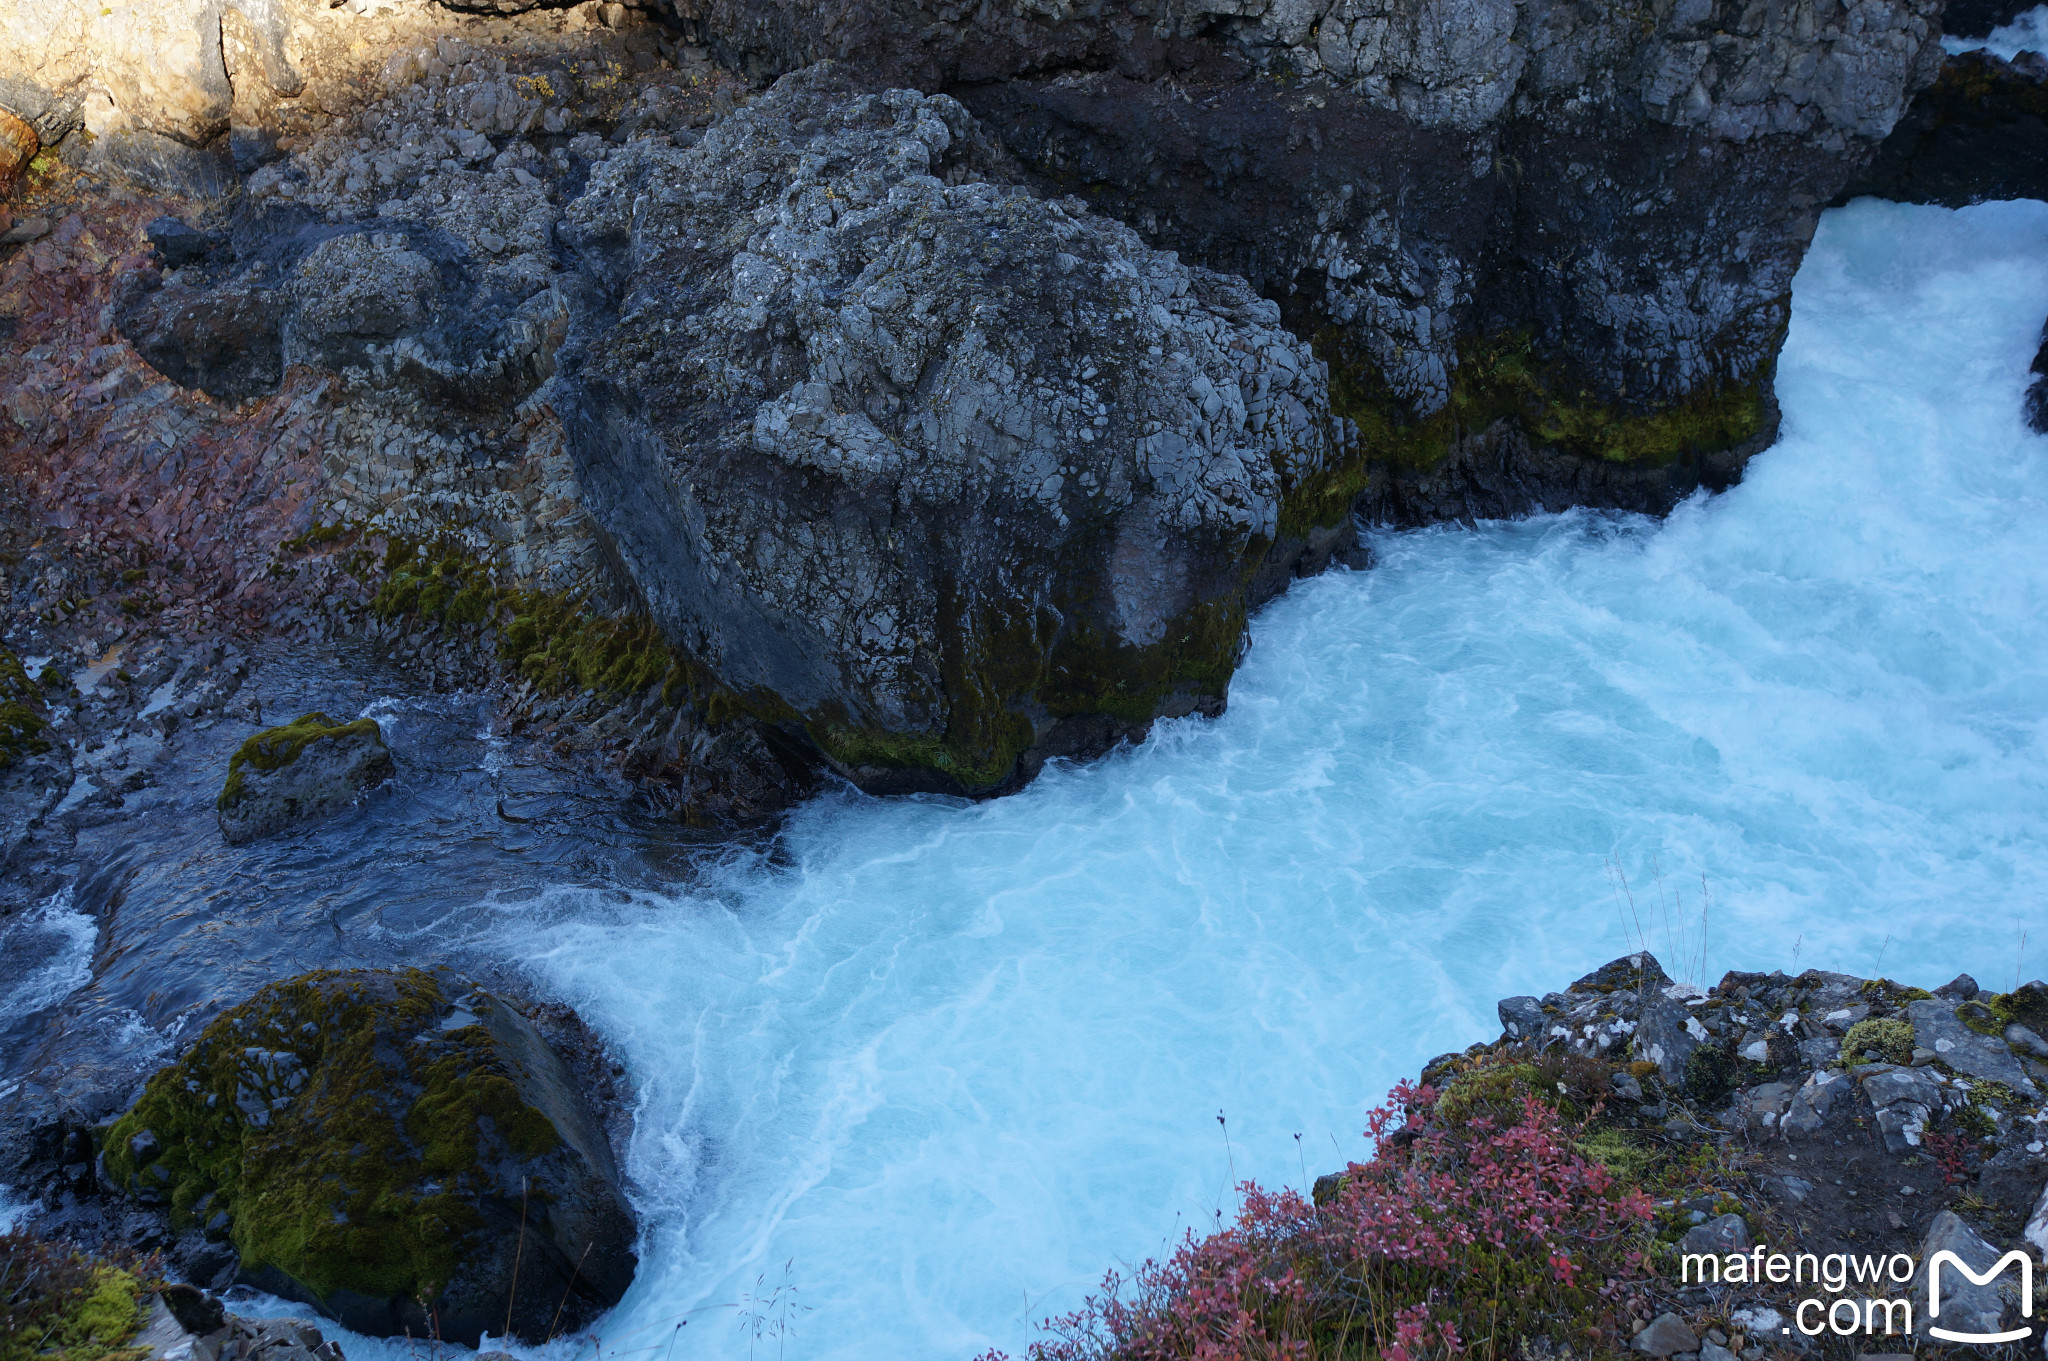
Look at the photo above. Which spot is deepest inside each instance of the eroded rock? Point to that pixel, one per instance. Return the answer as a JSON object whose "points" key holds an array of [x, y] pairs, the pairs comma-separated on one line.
{"points": [[958, 476], [371, 1143]]}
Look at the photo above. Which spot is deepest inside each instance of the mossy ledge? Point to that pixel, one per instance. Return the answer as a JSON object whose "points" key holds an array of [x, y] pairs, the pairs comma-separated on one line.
{"points": [[1502, 379], [363, 1139]]}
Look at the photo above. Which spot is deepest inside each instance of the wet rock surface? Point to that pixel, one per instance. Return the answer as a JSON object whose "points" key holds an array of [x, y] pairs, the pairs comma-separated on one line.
{"points": [[307, 768], [384, 1146]]}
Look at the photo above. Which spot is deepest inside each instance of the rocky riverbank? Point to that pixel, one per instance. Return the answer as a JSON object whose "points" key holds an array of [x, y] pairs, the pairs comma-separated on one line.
{"points": [[731, 398], [1641, 1165]]}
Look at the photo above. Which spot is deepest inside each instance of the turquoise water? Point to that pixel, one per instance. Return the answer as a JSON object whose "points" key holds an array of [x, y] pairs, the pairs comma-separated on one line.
{"points": [[933, 1067]]}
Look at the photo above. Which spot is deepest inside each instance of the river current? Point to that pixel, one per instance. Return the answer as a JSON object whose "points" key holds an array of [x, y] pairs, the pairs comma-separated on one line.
{"points": [[915, 1075]]}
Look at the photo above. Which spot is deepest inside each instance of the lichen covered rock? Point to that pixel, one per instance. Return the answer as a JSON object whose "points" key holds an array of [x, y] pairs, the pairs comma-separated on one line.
{"points": [[308, 767], [954, 476], [391, 1147]]}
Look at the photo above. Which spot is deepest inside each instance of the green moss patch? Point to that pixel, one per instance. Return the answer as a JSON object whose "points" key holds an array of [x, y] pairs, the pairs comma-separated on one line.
{"points": [[1496, 378], [57, 1305], [347, 1140], [21, 713], [1889, 1038], [275, 748]]}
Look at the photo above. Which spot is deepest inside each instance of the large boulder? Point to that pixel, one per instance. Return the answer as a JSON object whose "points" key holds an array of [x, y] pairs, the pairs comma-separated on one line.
{"points": [[307, 768], [955, 476], [400, 1149]]}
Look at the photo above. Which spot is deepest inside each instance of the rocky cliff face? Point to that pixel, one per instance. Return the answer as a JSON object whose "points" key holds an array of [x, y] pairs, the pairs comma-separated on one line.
{"points": [[1581, 220], [944, 432]]}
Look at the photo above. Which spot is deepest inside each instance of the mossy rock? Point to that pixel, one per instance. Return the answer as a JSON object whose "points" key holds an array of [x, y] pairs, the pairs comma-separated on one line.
{"points": [[309, 767], [399, 1149]]}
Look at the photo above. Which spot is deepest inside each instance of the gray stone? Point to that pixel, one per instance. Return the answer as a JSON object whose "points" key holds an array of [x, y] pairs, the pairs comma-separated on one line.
{"points": [[1763, 1106], [1936, 1027], [1818, 1098], [1665, 1335], [1521, 1018], [1666, 1036], [1902, 1124], [1713, 1351], [1840, 1019], [1820, 1052], [981, 489], [26, 230], [1720, 1235], [1961, 988], [1960, 1306], [1627, 1087], [2022, 1038]]}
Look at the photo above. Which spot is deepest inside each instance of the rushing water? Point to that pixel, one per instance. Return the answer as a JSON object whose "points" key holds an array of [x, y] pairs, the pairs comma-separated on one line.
{"points": [[934, 1066], [2028, 32]]}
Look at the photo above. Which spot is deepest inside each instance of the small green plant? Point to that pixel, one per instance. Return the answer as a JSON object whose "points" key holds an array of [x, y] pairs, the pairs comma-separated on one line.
{"points": [[1888, 1038], [58, 1305]]}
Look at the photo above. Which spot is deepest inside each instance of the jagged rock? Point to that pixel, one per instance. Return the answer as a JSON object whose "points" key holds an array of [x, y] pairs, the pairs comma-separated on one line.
{"points": [[1720, 1235], [376, 1141], [1979, 132], [960, 477], [1581, 219], [304, 769], [1937, 1027]]}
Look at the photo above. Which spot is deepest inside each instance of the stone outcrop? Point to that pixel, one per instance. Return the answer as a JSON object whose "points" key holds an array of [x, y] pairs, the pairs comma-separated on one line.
{"points": [[960, 476], [925, 470], [1979, 132], [305, 769], [390, 1148], [1582, 220]]}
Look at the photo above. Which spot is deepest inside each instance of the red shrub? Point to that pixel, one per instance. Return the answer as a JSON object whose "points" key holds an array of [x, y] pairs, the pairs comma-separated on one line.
{"points": [[1450, 1240]]}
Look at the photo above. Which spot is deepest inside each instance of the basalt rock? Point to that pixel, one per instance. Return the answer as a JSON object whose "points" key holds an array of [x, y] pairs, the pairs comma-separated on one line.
{"points": [[391, 1148], [955, 476], [304, 769], [1979, 132]]}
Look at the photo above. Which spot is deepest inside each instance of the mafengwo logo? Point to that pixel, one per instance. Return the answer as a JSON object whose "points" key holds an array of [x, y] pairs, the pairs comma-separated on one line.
{"points": [[1853, 1283], [1949, 1259]]}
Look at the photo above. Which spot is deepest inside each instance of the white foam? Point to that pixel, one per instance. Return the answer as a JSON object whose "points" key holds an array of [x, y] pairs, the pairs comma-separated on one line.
{"points": [[51, 949], [2027, 32]]}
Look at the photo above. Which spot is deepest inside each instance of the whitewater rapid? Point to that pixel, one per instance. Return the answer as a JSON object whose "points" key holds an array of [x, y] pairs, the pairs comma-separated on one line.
{"points": [[933, 1067]]}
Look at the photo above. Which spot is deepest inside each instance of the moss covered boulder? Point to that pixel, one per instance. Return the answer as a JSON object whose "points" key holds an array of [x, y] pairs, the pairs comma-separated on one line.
{"points": [[309, 767], [399, 1149]]}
